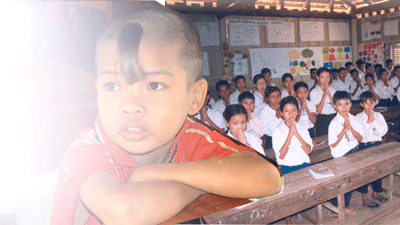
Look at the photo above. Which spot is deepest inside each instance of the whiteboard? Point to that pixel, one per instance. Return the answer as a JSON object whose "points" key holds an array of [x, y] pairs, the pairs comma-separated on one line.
{"points": [[209, 33], [312, 31], [280, 32], [391, 28], [242, 34], [339, 31]]}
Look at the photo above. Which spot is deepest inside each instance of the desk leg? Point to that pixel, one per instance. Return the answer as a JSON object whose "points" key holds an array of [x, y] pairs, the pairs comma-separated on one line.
{"points": [[390, 187], [341, 208], [319, 214]]}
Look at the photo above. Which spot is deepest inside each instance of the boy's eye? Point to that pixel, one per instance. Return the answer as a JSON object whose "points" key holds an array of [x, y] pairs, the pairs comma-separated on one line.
{"points": [[111, 86], [155, 86]]}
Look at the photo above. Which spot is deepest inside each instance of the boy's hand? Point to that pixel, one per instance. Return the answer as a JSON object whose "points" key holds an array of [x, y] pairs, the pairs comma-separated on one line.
{"points": [[242, 138], [303, 103], [347, 124], [358, 82], [370, 114], [292, 126]]}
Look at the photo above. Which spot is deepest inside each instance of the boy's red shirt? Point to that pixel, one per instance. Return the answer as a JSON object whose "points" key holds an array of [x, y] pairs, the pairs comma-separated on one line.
{"points": [[92, 151]]}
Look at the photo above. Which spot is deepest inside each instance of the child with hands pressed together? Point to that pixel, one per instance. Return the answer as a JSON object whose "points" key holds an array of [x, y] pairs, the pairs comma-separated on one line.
{"points": [[385, 89], [236, 122], [356, 87], [240, 83], [345, 131], [287, 80], [268, 77], [270, 114], [292, 143], [307, 113], [259, 94], [313, 82], [146, 160], [322, 98], [254, 124], [374, 128]]}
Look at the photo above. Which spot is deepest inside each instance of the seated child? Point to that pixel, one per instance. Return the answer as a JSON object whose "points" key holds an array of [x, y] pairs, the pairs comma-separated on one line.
{"points": [[371, 86], [223, 91], [313, 82], [386, 90], [240, 83], [287, 81], [349, 67], [145, 160], [335, 74], [254, 124], [259, 94], [268, 77], [236, 122], [292, 143], [389, 68], [307, 116], [270, 114], [322, 98], [377, 68], [374, 128], [360, 64], [341, 84], [370, 69], [395, 84], [356, 87], [344, 134], [211, 117]]}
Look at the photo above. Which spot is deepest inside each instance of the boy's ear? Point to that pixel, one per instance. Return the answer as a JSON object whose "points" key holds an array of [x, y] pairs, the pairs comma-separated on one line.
{"points": [[198, 93]]}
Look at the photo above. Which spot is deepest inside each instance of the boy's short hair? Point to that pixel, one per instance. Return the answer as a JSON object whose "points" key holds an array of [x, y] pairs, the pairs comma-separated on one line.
{"points": [[367, 95], [348, 64], [237, 78], [285, 76], [370, 75], [353, 70], [359, 62], [388, 61], [323, 69], [234, 110], [246, 95], [367, 65], [265, 70], [396, 68], [381, 71], [288, 100], [299, 85], [341, 68], [269, 90], [221, 83], [339, 95], [257, 77], [378, 65], [157, 24], [334, 71], [312, 70]]}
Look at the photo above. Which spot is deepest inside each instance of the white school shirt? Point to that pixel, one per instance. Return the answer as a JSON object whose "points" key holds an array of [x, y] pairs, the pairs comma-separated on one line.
{"points": [[253, 141], [304, 121], [269, 120], [315, 97], [234, 97], [310, 83], [295, 155], [255, 126], [220, 106], [211, 102], [258, 103], [353, 86], [338, 85], [395, 82], [383, 91], [398, 94], [372, 131], [214, 116], [335, 127], [361, 74]]}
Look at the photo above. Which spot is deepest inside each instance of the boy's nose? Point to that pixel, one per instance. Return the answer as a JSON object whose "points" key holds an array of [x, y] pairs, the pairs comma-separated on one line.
{"points": [[133, 104]]}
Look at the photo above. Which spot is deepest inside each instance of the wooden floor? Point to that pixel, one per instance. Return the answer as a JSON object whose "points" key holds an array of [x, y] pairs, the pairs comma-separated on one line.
{"points": [[362, 212]]}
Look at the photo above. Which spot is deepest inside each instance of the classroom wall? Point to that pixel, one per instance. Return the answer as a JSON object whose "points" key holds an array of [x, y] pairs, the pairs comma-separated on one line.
{"points": [[217, 61]]}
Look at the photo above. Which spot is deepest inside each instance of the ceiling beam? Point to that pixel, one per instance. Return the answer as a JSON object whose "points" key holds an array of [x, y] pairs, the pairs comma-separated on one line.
{"points": [[306, 5], [369, 2], [378, 7], [242, 4]]}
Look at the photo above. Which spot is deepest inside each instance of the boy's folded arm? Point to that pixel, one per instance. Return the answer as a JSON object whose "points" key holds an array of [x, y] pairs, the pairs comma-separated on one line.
{"points": [[243, 174], [134, 202]]}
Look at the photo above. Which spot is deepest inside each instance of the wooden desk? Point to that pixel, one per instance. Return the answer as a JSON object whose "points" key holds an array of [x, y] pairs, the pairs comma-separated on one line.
{"points": [[301, 190]]}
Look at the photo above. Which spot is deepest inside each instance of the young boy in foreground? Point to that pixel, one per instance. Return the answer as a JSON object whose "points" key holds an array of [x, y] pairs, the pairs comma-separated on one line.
{"points": [[126, 170], [374, 128], [343, 135]]}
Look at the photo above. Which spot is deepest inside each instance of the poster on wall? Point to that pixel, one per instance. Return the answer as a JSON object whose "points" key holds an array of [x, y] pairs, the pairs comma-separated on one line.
{"points": [[244, 33], [312, 31], [339, 31], [375, 30], [240, 66], [206, 65], [371, 52], [365, 31], [391, 28], [280, 32], [336, 56], [209, 33]]}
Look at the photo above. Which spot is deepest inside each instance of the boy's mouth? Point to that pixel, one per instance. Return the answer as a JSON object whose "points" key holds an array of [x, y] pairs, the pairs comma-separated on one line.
{"points": [[134, 133]]}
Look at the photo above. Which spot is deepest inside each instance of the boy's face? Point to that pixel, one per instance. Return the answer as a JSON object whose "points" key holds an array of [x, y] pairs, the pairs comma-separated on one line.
{"points": [[361, 67], [302, 93], [224, 91], [343, 106], [314, 75], [369, 81], [274, 98], [368, 105], [267, 77], [354, 75], [397, 72], [342, 74], [248, 104], [143, 117], [349, 67], [370, 70], [384, 76], [241, 84], [288, 83], [389, 65]]}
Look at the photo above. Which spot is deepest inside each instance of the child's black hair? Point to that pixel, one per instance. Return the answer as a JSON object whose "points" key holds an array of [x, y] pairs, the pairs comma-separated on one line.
{"points": [[265, 70], [378, 65], [288, 100], [286, 75], [234, 110], [388, 61], [323, 69], [342, 68], [257, 77], [353, 70], [246, 95], [381, 71], [348, 64], [370, 75], [271, 89], [339, 95], [359, 62], [221, 83], [367, 65], [237, 78], [312, 70], [334, 71], [367, 95], [396, 68], [299, 85]]}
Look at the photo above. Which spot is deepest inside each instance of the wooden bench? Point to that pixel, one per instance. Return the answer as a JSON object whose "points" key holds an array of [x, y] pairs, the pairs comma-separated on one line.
{"points": [[302, 191]]}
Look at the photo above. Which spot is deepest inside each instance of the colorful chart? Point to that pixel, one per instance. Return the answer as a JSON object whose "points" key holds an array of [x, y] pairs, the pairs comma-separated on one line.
{"points": [[336, 57], [372, 52]]}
